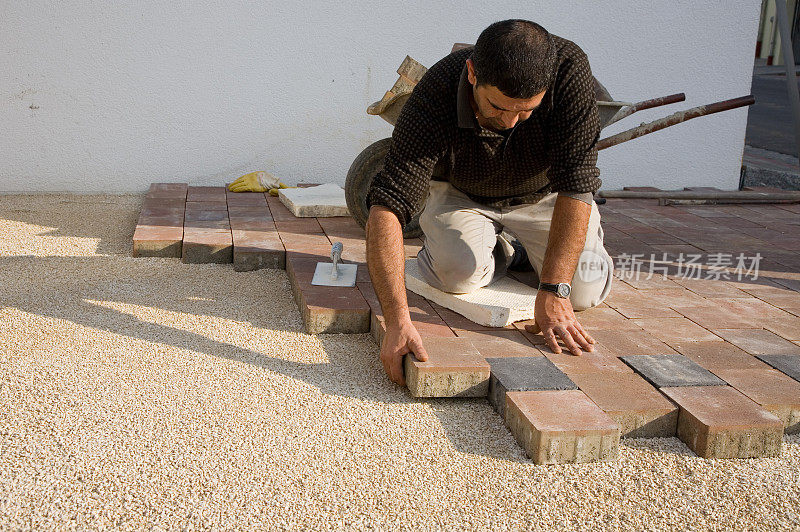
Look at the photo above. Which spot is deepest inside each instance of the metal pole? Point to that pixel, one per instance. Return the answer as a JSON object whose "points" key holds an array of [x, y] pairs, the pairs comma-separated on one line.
{"points": [[782, 14]]}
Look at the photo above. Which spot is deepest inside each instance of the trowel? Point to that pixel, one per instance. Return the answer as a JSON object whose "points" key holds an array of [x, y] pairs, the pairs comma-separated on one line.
{"points": [[334, 273]]}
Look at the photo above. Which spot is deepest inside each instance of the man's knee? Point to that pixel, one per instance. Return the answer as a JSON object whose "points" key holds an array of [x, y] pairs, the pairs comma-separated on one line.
{"points": [[591, 283], [458, 274]]}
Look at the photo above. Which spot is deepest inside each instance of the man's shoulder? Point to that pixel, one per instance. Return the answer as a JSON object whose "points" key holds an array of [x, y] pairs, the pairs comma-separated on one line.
{"points": [[568, 51]]}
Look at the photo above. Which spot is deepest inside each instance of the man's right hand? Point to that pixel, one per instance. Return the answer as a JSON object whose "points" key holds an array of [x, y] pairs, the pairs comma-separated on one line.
{"points": [[400, 340]]}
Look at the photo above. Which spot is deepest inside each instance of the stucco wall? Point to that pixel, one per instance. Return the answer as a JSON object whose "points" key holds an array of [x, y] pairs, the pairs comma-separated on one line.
{"points": [[105, 96]]}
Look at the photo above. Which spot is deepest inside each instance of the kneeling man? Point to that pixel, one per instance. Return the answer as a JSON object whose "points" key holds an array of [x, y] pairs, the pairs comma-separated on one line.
{"points": [[511, 126]]}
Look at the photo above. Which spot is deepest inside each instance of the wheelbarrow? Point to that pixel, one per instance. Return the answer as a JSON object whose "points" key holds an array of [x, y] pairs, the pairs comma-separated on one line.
{"points": [[370, 161]]}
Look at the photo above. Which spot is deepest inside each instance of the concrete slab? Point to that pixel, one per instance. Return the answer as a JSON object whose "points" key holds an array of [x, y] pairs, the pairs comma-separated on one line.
{"points": [[523, 374], [672, 371], [497, 305], [321, 201]]}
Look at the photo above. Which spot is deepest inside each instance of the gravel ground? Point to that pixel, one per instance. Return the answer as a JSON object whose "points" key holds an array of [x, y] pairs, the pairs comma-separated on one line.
{"points": [[147, 393]]}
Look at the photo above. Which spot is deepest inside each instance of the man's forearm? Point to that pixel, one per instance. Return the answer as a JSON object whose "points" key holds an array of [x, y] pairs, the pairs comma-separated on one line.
{"points": [[386, 263], [566, 240]]}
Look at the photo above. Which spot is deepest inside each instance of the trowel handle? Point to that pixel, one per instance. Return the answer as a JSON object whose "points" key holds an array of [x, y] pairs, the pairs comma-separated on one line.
{"points": [[336, 253]]}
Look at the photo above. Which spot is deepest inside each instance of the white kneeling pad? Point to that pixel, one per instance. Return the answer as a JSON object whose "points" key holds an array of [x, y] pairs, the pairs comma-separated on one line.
{"points": [[497, 305]]}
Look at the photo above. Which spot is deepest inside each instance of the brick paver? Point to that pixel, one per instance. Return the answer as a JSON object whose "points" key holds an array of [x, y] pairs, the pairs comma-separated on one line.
{"points": [[523, 374], [639, 409], [771, 389], [719, 321], [720, 422], [454, 369], [671, 370], [561, 426], [786, 364]]}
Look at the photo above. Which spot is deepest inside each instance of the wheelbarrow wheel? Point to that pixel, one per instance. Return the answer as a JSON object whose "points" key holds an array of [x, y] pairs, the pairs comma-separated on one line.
{"points": [[359, 178]]}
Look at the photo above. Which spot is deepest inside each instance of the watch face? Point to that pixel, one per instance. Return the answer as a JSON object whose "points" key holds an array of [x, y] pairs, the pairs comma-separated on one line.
{"points": [[563, 290]]}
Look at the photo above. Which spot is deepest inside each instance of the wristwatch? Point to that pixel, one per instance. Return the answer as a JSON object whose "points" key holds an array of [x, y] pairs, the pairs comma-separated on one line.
{"points": [[562, 290]]}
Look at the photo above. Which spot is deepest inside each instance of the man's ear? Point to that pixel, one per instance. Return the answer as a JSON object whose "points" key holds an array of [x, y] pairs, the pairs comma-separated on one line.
{"points": [[471, 72]]}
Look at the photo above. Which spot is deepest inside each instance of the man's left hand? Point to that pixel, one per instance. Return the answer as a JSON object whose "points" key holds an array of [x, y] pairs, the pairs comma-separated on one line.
{"points": [[556, 319]]}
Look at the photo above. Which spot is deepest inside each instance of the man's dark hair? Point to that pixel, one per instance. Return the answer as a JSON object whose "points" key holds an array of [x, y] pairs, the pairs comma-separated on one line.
{"points": [[516, 56]]}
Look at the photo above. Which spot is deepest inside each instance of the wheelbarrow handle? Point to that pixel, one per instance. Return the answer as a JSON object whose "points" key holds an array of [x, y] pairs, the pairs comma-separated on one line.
{"points": [[658, 102], [676, 118]]}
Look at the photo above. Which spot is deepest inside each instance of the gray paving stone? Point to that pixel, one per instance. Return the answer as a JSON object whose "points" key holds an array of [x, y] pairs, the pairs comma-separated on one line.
{"points": [[671, 371], [787, 364], [523, 374]]}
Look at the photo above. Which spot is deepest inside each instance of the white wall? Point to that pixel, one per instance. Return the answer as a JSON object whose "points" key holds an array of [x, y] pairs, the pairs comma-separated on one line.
{"points": [[105, 96]]}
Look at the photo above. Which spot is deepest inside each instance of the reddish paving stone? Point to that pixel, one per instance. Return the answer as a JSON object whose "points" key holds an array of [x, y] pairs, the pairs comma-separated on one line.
{"points": [[604, 318], [317, 246], [215, 194], [301, 226], [786, 326], [780, 297], [157, 241], [645, 311], [167, 190], [725, 314], [341, 227], [758, 341], [176, 204], [671, 330], [254, 250], [201, 246], [629, 342], [720, 422], [589, 362], [246, 199], [278, 210], [523, 374], [500, 343], [789, 365], [454, 369], [719, 355], [771, 389], [639, 409], [561, 426], [205, 206], [412, 247], [334, 309], [710, 288], [433, 330]]}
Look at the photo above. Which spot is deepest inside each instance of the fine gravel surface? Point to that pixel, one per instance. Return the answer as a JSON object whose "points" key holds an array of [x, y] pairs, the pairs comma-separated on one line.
{"points": [[146, 393]]}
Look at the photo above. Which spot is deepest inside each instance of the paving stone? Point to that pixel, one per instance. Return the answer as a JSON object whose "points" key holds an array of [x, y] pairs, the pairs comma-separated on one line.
{"points": [[671, 371], [335, 309], [787, 326], [500, 343], [201, 246], [758, 341], [604, 318], [720, 422], [157, 241], [671, 330], [719, 355], [589, 362], [255, 250], [321, 200], [639, 409], [317, 246], [278, 210], [522, 374], [302, 226], [771, 389], [167, 190], [210, 194], [786, 364], [561, 426], [720, 315], [497, 305], [177, 204], [454, 369], [629, 342], [245, 199]]}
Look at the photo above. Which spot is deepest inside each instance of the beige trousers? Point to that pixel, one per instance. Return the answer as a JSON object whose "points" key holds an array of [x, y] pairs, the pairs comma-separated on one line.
{"points": [[467, 244]]}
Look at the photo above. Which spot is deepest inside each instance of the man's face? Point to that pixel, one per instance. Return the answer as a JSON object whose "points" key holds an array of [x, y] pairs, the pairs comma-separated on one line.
{"points": [[494, 110]]}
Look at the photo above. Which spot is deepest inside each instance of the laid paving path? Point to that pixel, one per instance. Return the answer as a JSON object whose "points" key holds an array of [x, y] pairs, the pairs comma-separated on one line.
{"points": [[703, 296]]}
